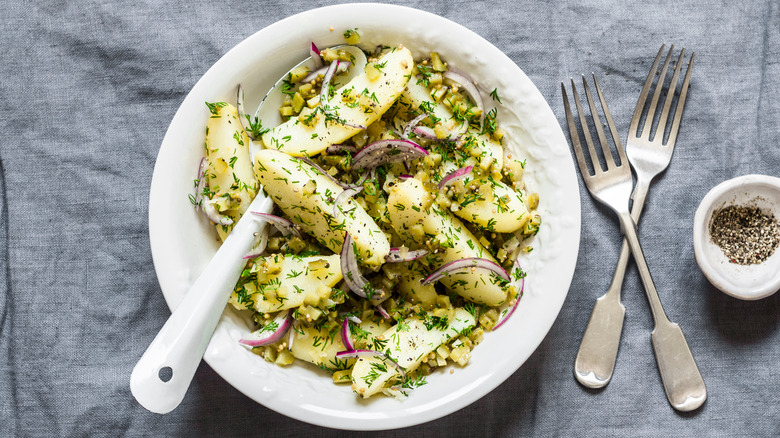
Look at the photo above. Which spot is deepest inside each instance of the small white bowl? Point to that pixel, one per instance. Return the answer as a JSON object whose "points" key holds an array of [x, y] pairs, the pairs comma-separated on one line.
{"points": [[747, 282]]}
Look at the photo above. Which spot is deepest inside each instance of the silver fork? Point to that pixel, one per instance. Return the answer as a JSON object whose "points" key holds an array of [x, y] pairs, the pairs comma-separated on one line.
{"points": [[681, 379], [598, 350]]}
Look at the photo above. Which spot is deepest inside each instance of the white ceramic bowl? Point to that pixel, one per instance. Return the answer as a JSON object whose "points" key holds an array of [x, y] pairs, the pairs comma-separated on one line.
{"points": [[748, 282], [183, 241]]}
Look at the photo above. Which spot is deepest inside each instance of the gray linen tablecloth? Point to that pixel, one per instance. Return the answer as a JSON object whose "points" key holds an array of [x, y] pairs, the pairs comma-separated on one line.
{"points": [[89, 87]]}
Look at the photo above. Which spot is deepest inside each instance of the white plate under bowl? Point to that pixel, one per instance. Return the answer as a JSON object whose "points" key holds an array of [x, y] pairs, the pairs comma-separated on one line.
{"points": [[747, 282], [182, 241]]}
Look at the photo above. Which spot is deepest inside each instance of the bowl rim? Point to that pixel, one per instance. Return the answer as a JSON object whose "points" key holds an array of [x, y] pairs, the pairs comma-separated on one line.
{"points": [[701, 235]]}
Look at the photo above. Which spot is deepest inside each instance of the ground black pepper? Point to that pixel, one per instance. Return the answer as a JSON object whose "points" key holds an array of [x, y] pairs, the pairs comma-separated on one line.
{"points": [[746, 235]]}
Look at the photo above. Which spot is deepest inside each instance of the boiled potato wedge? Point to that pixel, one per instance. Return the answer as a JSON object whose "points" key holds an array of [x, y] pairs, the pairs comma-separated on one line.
{"points": [[493, 206], [319, 347], [413, 338], [370, 375], [361, 101], [307, 197], [408, 342], [229, 175], [410, 285], [286, 282], [416, 218]]}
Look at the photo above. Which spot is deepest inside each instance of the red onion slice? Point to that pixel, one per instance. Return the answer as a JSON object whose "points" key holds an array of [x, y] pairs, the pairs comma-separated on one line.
{"points": [[260, 248], [466, 264], [354, 319], [326, 84], [410, 126], [342, 197], [455, 175], [271, 332], [387, 151], [313, 75], [405, 176], [350, 269], [356, 354], [426, 132], [319, 169], [201, 182], [291, 335], [352, 275], [242, 115], [322, 70], [315, 55], [283, 225], [468, 86], [382, 311], [346, 336], [507, 311], [213, 214], [403, 254], [334, 68]]}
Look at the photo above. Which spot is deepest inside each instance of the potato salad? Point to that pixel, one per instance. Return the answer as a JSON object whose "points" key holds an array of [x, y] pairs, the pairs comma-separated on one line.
{"points": [[398, 220]]}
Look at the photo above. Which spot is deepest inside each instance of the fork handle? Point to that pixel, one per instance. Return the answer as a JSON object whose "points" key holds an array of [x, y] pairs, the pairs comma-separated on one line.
{"points": [[598, 350], [628, 227], [639, 196], [680, 375], [595, 361]]}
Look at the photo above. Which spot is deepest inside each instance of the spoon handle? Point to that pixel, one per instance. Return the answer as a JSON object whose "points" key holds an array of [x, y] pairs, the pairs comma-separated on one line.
{"points": [[162, 375]]}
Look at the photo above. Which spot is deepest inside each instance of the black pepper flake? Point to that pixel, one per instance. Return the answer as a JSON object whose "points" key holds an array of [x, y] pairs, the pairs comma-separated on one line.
{"points": [[746, 235]]}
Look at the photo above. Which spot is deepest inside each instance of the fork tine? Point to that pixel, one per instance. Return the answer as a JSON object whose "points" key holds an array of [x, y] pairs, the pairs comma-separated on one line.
{"points": [[670, 97], [640, 104], [586, 131], [681, 103], [612, 129], [609, 160], [654, 103], [575, 137]]}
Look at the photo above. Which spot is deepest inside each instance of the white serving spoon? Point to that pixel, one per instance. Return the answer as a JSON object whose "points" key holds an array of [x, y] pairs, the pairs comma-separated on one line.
{"points": [[162, 376]]}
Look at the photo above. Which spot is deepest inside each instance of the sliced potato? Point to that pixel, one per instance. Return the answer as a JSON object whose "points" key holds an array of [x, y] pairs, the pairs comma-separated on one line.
{"points": [[370, 375], [416, 94], [229, 175], [361, 101], [285, 282], [318, 346], [372, 329], [408, 342], [412, 339], [454, 241], [410, 285], [493, 206], [285, 178]]}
